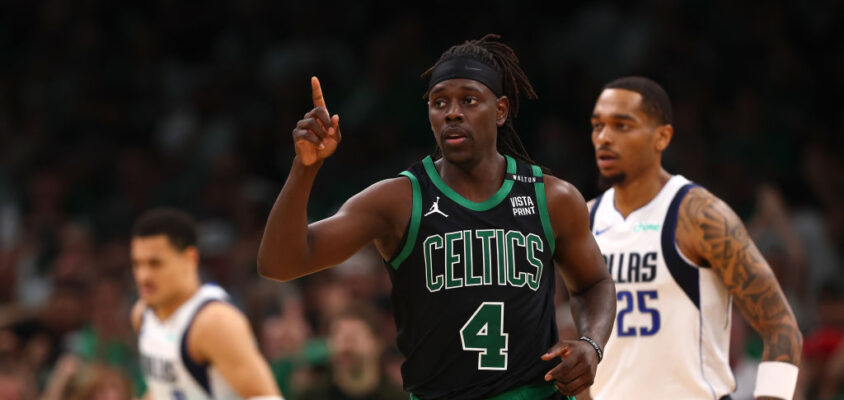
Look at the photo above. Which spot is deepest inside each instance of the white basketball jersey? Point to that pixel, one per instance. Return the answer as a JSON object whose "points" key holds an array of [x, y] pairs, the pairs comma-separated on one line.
{"points": [[671, 335], [169, 371]]}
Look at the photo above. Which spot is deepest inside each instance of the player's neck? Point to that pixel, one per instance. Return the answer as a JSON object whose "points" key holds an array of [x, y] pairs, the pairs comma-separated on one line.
{"points": [[164, 311], [475, 181], [635, 193], [359, 382]]}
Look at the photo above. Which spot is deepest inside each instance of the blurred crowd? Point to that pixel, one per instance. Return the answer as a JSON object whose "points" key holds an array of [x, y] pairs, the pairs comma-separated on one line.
{"points": [[110, 108]]}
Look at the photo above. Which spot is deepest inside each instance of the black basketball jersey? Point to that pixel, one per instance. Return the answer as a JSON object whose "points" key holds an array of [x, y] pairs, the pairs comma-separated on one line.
{"points": [[473, 286]]}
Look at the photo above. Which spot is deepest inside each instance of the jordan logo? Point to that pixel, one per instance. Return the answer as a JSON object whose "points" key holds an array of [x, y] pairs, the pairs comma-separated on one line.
{"points": [[435, 208]]}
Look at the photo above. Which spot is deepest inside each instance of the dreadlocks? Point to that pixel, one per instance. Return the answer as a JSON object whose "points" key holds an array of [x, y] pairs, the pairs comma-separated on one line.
{"points": [[501, 57]]}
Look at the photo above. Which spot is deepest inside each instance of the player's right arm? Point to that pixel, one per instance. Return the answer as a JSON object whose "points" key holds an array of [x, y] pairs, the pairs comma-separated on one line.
{"points": [[290, 247], [710, 233]]}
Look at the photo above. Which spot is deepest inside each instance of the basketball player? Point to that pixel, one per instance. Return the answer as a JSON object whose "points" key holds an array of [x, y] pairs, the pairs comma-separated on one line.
{"points": [[469, 240], [680, 257], [193, 343]]}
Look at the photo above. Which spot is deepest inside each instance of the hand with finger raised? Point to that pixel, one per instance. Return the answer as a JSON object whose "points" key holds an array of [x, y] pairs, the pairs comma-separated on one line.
{"points": [[317, 135]]}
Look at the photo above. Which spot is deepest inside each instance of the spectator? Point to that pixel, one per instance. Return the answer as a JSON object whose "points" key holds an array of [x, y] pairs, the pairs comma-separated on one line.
{"points": [[15, 382], [356, 370], [72, 379]]}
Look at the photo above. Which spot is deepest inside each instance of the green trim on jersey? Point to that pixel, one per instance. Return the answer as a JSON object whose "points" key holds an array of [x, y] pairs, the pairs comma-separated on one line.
{"points": [[526, 392], [543, 208], [415, 217], [457, 198]]}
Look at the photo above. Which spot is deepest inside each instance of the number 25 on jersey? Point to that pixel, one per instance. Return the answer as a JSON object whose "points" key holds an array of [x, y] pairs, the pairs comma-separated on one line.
{"points": [[629, 303]]}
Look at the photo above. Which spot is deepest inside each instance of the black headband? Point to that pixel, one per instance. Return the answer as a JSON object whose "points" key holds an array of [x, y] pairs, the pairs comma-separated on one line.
{"points": [[467, 68]]}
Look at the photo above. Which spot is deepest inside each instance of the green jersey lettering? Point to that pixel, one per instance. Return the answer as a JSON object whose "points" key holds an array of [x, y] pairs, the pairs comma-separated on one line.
{"points": [[470, 278], [514, 278], [457, 268], [502, 257], [486, 236], [484, 333], [534, 245], [433, 242], [451, 259]]}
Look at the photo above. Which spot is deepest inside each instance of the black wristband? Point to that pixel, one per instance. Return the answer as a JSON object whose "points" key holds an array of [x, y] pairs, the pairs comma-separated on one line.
{"points": [[594, 346]]}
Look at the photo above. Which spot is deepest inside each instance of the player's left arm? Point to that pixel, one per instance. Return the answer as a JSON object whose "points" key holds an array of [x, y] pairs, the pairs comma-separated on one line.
{"points": [[589, 283], [710, 233], [221, 336]]}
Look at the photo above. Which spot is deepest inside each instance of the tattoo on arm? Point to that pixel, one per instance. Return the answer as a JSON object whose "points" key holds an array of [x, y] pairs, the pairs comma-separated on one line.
{"points": [[715, 233]]}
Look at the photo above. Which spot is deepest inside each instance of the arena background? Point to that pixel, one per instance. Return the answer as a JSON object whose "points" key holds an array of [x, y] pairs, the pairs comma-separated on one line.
{"points": [[108, 109]]}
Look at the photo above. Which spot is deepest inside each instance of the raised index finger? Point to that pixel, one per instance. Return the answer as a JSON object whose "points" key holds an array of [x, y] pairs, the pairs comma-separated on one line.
{"points": [[316, 93]]}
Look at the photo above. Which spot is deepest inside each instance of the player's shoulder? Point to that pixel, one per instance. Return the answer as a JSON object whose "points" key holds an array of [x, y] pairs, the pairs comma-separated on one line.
{"points": [[216, 327], [566, 207], [560, 192], [391, 185], [215, 315], [386, 191], [389, 200], [702, 217], [700, 204]]}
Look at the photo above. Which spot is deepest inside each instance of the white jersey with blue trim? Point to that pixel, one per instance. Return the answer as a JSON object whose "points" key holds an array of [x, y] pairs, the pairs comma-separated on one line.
{"points": [[672, 332], [169, 371]]}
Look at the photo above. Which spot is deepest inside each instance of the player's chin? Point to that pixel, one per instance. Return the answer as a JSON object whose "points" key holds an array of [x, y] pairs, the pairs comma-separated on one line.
{"points": [[149, 298], [607, 178], [457, 154]]}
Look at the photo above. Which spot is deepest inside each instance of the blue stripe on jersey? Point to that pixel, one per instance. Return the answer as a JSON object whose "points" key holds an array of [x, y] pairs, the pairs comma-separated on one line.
{"points": [[198, 371], [685, 274], [594, 210]]}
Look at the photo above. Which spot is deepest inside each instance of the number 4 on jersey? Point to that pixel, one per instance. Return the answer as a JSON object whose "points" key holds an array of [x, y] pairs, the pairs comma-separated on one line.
{"points": [[484, 332]]}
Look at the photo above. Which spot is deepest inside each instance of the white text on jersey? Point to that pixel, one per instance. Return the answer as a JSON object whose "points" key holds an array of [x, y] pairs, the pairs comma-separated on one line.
{"points": [[522, 205], [457, 251]]}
